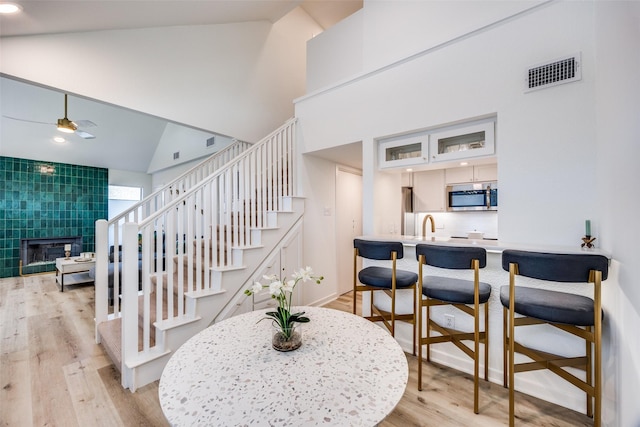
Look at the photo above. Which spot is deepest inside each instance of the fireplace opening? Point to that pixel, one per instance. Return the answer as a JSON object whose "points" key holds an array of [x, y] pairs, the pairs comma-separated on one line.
{"points": [[44, 251]]}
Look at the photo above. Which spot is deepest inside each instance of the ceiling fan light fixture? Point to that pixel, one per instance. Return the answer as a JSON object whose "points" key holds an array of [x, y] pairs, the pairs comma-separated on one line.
{"points": [[66, 125], [9, 8]]}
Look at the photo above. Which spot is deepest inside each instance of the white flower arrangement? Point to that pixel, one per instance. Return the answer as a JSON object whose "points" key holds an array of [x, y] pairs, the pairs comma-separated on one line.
{"points": [[283, 292]]}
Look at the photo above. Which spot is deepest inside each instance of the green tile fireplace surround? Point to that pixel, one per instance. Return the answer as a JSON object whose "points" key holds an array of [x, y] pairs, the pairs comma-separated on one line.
{"points": [[41, 199]]}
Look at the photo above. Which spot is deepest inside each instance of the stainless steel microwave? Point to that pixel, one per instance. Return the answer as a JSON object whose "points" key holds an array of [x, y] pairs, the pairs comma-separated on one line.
{"points": [[477, 196]]}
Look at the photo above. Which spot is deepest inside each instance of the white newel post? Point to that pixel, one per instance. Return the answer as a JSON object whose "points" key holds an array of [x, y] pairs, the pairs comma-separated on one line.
{"points": [[101, 282], [129, 299]]}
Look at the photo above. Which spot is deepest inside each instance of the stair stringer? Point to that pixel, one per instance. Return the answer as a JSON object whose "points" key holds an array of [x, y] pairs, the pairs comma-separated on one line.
{"points": [[205, 306], [239, 294]]}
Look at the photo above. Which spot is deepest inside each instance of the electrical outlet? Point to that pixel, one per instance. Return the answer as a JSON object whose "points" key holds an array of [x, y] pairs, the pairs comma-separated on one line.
{"points": [[449, 321]]}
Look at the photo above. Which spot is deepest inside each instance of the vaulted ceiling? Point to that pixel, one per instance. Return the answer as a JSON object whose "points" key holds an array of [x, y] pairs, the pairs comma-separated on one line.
{"points": [[32, 103], [54, 16]]}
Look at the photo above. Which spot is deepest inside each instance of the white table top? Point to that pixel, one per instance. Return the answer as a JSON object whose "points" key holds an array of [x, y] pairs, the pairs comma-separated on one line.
{"points": [[74, 264], [348, 372]]}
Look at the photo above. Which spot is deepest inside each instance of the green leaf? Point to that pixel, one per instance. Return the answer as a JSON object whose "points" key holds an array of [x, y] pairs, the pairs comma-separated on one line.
{"points": [[298, 318]]}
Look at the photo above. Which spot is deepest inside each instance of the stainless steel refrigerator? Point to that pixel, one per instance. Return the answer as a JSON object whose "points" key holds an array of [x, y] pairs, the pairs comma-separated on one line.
{"points": [[407, 217]]}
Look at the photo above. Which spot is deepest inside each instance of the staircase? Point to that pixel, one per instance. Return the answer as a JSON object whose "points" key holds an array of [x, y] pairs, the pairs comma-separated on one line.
{"points": [[189, 251]]}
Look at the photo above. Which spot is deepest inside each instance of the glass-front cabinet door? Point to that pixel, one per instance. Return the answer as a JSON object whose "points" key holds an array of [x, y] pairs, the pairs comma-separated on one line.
{"points": [[462, 142], [405, 150]]}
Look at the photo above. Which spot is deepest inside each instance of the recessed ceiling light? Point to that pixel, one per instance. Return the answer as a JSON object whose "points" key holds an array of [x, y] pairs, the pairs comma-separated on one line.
{"points": [[8, 8]]}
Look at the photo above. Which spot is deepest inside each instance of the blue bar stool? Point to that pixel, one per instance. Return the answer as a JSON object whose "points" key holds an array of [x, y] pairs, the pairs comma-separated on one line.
{"points": [[575, 314], [384, 279], [465, 295]]}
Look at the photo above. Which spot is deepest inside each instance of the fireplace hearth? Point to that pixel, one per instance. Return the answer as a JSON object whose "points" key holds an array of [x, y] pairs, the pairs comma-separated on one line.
{"points": [[44, 251]]}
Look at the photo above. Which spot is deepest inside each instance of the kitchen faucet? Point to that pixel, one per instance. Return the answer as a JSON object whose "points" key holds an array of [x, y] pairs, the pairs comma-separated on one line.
{"points": [[424, 225]]}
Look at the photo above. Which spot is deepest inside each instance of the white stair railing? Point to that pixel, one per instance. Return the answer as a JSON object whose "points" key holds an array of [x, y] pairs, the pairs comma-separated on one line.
{"points": [[158, 200], [201, 230]]}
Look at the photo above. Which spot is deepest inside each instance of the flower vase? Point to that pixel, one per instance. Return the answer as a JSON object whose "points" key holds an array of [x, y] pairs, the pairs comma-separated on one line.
{"points": [[286, 339]]}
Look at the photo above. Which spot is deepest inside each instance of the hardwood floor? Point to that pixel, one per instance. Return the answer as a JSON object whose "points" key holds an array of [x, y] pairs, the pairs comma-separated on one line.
{"points": [[52, 373]]}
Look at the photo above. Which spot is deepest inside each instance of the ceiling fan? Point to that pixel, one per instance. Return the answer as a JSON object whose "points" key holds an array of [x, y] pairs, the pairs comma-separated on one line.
{"points": [[64, 124]]}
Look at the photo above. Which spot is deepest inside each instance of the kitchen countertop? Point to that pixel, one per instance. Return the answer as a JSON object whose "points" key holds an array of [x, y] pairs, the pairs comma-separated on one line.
{"points": [[491, 245]]}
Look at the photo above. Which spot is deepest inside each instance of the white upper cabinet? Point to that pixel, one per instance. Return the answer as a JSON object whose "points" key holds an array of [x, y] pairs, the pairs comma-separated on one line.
{"points": [[438, 147], [485, 173], [404, 150], [475, 139], [429, 191], [478, 173]]}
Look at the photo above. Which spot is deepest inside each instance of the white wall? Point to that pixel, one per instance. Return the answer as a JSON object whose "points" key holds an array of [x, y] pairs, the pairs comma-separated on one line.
{"points": [[458, 224], [565, 153], [372, 38], [618, 133], [131, 179], [338, 55], [190, 143], [319, 238], [394, 30], [165, 176], [551, 129], [234, 79]]}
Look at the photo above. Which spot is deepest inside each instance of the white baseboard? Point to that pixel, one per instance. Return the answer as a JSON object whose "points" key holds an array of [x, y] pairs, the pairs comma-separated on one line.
{"points": [[323, 301]]}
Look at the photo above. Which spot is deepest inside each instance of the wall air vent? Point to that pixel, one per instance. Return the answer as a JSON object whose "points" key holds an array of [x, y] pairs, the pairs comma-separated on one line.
{"points": [[176, 155], [211, 141], [560, 71]]}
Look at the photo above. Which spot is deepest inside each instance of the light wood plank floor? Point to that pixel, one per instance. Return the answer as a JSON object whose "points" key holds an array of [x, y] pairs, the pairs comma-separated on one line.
{"points": [[53, 374]]}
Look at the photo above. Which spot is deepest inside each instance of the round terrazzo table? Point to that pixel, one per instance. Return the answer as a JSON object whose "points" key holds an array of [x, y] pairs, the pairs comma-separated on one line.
{"points": [[348, 372]]}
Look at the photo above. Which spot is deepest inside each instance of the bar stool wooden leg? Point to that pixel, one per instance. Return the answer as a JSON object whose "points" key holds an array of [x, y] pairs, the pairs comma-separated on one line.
{"points": [[486, 341], [428, 329], [419, 313], [355, 277], [505, 361], [589, 371], [415, 317], [476, 338], [597, 413], [512, 298], [420, 361]]}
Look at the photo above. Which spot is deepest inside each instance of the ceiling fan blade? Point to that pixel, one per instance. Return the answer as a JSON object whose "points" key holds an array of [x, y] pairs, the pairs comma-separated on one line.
{"points": [[29, 121], [84, 123], [83, 134]]}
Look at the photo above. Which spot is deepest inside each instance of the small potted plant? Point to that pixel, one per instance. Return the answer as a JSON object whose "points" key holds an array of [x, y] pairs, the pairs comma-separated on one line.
{"points": [[286, 336]]}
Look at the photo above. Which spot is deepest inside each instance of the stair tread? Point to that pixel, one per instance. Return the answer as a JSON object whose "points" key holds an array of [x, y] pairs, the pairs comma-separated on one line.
{"points": [[111, 338]]}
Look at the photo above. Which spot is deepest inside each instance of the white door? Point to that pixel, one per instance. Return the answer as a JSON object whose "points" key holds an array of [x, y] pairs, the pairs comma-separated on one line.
{"points": [[348, 224]]}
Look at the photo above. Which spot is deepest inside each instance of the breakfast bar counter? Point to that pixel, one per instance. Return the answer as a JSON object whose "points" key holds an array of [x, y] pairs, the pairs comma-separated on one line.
{"points": [[491, 245]]}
